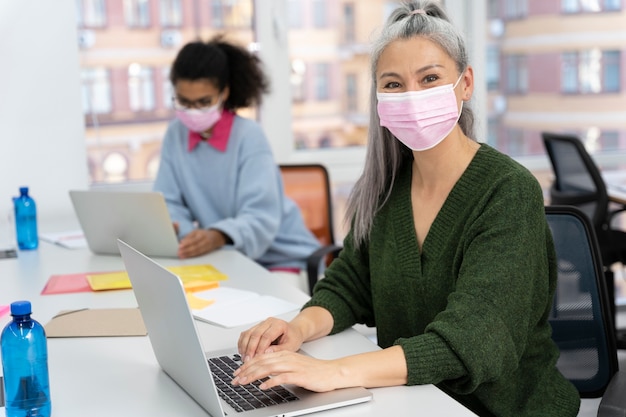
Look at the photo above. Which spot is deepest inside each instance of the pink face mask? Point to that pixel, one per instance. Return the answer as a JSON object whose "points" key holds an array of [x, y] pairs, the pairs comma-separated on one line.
{"points": [[420, 119], [199, 120]]}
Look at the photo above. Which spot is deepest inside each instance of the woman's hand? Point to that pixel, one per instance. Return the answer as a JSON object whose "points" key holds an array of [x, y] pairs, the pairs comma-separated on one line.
{"points": [[291, 368], [200, 241], [271, 335]]}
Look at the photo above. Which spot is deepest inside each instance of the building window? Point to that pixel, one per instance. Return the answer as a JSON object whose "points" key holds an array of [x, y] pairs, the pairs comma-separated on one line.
{"points": [[320, 14], [516, 74], [352, 103], [515, 141], [349, 21], [298, 77], [591, 72], [611, 71], [140, 88], [115, 167], [168, 89], [515, 9], [171, 13], [609, 140], [91, 13], [493, 67], [590, 6], [493, 9], [137, 13], [96, 91], [322, 81], [231, 14]]}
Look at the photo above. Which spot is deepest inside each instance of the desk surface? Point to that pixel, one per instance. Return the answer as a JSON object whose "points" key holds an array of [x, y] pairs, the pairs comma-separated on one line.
{"points": [[110, 376]]}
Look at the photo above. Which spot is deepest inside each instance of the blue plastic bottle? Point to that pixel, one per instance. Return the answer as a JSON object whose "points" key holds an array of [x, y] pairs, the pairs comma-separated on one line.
{"points": [[25, 365], [26, 220]]}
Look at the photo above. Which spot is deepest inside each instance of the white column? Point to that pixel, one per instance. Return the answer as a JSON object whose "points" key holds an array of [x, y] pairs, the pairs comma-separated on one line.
{"points": [[270, 19], [42, 143]]}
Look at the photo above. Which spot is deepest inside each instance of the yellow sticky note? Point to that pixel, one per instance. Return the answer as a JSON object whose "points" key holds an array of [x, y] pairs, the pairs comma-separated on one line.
{"points": [[194, 278], [197, 303], [195, 286], [109, 281]]}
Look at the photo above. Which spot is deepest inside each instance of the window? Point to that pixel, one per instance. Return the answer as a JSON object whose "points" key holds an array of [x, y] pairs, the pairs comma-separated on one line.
{"points": [[140, 88], [232, 14], [298, 73], [349, 32], [96, 91], [171, 13], [352, 104], [322, 81], [516, 74], [137, 13], [515, 9], [166, 87], [591, 71], [320, 16], [91, 13], [493, 67], [590, 6], [493, 9]]}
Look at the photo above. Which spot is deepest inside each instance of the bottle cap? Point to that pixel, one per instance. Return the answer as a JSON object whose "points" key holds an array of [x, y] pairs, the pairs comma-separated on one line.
{"points": [[23, 190], [20, 308]]}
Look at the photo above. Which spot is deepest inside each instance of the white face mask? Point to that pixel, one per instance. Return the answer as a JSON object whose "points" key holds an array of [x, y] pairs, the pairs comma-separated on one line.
{"points": [[420, 119]]}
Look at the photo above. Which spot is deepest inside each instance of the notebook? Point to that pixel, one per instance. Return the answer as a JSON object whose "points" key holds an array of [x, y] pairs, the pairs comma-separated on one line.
{"points": [[179, 351], [137, 217]]}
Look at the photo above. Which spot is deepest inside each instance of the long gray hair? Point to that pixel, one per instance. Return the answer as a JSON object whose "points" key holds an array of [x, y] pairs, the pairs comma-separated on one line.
{"points": [[385, 155]]}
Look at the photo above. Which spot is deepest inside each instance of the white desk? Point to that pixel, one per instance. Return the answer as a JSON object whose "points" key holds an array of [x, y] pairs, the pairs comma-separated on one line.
{"points": [[119, 376]]}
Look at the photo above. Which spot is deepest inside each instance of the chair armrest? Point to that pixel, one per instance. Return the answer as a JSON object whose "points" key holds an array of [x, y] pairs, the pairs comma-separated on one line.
{"points": [[313, 262], [613, 403]]}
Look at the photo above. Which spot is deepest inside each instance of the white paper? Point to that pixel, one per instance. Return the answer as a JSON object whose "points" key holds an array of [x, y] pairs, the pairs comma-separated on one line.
{"points": [[233, 307], [72, 239]]}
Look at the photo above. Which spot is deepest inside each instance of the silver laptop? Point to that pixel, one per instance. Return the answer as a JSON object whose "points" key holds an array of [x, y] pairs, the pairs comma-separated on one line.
{"points": [[180, 353], [137, 217]]}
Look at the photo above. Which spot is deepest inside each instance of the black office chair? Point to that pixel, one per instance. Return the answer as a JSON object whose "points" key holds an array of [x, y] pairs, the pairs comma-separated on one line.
{"points": [[578, 183], [309, 186], [581, 319]]}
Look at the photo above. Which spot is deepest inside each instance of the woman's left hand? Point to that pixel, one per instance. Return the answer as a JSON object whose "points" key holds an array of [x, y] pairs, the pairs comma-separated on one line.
{"points": [[286, 367]]}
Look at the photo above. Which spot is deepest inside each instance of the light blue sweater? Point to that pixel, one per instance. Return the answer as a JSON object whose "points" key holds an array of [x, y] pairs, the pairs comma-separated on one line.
{"points": [[239, 192]]}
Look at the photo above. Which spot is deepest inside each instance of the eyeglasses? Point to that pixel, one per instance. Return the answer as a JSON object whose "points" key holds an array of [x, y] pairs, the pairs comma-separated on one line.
{"points": [[183, 104]]}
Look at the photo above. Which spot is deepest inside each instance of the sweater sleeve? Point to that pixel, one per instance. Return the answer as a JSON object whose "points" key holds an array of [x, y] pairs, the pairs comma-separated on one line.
{"points": [[168, 182], [345, 289], [502, 290]]}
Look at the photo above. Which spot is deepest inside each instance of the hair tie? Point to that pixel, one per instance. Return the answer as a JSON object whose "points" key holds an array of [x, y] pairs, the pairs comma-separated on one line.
{"points": [[418, 11]]}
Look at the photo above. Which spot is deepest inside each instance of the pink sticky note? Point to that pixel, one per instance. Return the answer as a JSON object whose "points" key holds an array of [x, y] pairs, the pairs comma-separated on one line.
{"points": [[68, 283], [4, 310]]}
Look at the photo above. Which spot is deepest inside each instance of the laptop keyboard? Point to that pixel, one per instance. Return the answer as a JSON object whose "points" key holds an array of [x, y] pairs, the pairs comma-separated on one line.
{"points": [[244, 397]]}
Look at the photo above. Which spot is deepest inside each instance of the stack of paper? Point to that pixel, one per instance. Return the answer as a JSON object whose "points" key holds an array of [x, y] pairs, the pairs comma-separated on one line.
{"points": [[231, 307]]}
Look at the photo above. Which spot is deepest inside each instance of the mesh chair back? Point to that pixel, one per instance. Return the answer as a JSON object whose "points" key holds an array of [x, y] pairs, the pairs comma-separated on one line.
{"points": [[577, 181], [580, 318]]}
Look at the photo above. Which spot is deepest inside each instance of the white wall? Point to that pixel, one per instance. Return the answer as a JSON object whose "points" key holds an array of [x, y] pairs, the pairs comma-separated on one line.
{"points": [[41, 127]]}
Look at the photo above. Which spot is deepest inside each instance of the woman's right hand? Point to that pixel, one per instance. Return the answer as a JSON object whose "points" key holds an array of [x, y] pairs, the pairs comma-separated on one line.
{"points": [[271, 335]]}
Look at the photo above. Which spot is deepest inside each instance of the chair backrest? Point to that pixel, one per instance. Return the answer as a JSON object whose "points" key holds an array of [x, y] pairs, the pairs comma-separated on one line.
{"points": [[582, 325], [309, 186], [577, 181]]}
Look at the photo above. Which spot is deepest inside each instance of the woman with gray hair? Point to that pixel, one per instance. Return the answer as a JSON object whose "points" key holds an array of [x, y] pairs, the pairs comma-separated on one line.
{"points": [[449, 254]]}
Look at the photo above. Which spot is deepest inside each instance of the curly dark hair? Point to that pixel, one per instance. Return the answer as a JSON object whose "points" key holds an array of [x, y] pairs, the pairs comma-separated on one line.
{"points": [[224, 64]]}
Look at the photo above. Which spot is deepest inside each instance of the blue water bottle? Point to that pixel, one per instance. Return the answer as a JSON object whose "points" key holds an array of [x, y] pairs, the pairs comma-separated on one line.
{"points": [[26, 220], [25, 365]]}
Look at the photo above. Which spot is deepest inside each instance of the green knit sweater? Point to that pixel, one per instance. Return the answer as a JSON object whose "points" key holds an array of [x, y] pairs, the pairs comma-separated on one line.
{"points": [[470, 310]]}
